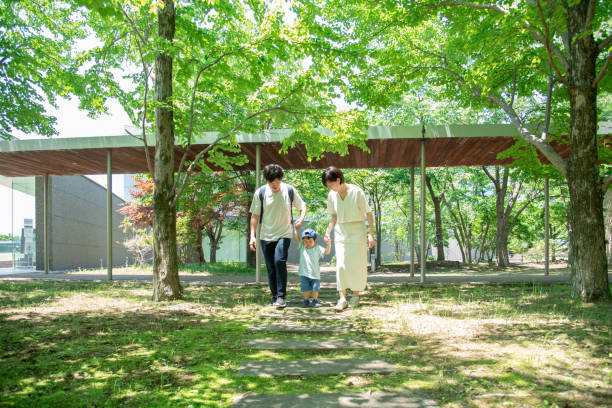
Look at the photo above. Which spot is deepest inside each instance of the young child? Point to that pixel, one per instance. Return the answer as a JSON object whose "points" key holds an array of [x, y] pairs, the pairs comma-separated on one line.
{"points": [[310, 275]]}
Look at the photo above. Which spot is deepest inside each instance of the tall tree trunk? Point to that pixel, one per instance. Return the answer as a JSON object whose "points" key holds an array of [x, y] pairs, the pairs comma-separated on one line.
{"points": [[588, 265], [248, 184], [199, 245], [214, 236], [608, 223], [378, 230], [166, 285], [483, 239], [437, 202], [458, 238]]}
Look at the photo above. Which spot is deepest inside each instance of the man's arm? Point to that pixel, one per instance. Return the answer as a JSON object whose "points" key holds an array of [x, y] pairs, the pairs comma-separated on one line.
{"points": [[298, 223], [296, 234], [253, 239]]}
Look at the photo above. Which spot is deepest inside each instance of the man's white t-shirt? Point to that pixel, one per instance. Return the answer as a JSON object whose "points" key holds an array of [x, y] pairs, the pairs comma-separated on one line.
{"points": [[276, 222]]}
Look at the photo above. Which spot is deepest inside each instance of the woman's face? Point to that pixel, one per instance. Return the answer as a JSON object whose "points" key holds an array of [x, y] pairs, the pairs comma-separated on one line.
{"points": [[333, 185]]}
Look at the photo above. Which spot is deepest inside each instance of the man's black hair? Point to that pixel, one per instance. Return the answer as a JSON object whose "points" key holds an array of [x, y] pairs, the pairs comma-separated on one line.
{"points": [[272, 172]]}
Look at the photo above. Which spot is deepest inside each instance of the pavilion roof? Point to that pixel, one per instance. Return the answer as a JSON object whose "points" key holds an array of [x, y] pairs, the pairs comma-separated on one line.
{"points": [[390, 146]]}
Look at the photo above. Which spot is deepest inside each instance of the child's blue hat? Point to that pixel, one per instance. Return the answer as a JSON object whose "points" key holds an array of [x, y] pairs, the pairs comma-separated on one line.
{"points": [[309, 233]]}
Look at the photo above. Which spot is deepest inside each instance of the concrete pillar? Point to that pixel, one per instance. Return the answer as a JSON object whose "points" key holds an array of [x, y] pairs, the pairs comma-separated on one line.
{"points": [[423, 257], [46, 221], [546, 226], [109, 216], [412, 237], [257, 184]]}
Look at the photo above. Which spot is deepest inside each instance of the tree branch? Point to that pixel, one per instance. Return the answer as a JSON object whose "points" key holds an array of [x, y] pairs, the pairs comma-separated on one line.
{"points": [[532, 31], [548, 46], [193, 94], [590, 15], [604, 44], [490, 177], [520, 210], [606, 183], [219, 140], [603, 70]]}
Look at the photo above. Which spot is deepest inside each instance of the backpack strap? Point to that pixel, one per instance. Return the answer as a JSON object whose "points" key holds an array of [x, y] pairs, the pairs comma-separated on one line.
{"points": [[262, 192]]}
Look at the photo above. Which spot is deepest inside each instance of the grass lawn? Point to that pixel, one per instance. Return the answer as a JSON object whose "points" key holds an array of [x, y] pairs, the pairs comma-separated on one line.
{"points": [[65, 344], [219, 268]]}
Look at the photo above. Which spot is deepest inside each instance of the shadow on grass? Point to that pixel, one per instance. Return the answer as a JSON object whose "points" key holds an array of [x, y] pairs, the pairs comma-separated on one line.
{"points": [[187, 353]]}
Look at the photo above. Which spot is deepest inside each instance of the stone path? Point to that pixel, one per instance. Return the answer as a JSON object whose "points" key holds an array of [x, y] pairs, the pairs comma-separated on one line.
{"points": [[295, 320], [307, 344], [299, 328], [303, 316], [317, 367], [367, 400]]}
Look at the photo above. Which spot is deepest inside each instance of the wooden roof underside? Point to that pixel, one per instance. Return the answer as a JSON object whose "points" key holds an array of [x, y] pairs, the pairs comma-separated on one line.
{"points": [[398, 146]]}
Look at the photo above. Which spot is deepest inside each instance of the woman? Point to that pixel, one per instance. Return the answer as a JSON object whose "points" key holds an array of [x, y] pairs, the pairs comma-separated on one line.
{"points": [[348, 207]]}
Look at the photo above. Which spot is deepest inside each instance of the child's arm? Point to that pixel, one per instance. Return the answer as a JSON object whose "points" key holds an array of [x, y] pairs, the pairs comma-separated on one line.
{"points": [[328, 249], [296, 234]]}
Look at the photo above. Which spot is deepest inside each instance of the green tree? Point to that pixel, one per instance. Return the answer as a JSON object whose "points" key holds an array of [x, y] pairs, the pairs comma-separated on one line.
{"points": [[38, 63], [496, 55], [219, 67]]}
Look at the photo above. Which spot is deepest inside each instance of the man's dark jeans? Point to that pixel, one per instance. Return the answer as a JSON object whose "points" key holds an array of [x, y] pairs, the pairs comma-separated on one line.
{"points": [[275, 254]]}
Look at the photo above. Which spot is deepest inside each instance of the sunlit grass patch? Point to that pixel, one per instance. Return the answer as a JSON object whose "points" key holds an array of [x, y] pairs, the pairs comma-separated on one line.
{"points": [[107, 344]]}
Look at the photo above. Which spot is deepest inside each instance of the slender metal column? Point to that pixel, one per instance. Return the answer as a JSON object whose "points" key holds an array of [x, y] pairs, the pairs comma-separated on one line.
{"points": [[109, 215], [412, 251], [423, 246], [46, 221], [547, 225], [257, 184]]}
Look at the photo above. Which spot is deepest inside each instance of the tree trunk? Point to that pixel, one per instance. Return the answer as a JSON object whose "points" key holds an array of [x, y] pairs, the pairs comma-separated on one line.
{"points": [[199, 245], [437, 200], [458, 238], [588, 265], [166, 285], [503, 259], [378, 230], [251, 259], [608, 223], [214, 236], [249, 187]]}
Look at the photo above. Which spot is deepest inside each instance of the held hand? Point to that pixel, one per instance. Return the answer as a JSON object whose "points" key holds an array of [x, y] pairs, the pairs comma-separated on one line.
{"points": [[370, 241], [298, 223], [253, 243], [327, 239]]}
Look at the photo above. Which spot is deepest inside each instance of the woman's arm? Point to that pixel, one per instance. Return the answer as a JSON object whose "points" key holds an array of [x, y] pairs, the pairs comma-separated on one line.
{"points": [[330, 227], [371, 225]]}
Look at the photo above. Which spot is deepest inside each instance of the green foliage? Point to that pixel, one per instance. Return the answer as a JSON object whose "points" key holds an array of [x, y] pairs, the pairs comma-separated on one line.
{"points": [[37, 49]]}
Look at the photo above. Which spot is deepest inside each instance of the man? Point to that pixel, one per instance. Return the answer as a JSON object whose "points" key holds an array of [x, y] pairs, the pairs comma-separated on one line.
{"points": [[272, 203]]}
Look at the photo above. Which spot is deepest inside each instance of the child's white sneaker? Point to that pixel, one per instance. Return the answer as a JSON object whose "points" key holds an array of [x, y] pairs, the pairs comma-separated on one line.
{"points": [[354, 302]]}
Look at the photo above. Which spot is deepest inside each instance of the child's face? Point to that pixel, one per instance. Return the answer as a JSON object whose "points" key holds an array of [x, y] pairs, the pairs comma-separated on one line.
{"points": [[308, 242]]}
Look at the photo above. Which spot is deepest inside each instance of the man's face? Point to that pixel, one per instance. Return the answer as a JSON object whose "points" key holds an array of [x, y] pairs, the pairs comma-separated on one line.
{"points": [[308, 242], [275, 185]]}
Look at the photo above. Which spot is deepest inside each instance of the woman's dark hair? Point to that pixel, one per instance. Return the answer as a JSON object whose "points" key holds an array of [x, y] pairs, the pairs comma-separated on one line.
{"points": [[272, 172], [332, 174]]}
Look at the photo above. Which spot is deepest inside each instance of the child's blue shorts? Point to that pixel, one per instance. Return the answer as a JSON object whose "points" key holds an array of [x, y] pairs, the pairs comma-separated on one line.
{"points": [[309, 285]]}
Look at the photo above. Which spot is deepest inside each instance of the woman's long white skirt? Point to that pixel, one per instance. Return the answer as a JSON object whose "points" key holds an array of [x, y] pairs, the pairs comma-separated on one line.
{"points": [[351, 255]]}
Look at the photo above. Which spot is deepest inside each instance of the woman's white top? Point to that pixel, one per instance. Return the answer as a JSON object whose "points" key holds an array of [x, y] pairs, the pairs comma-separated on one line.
{"points": [[352, 209]]}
